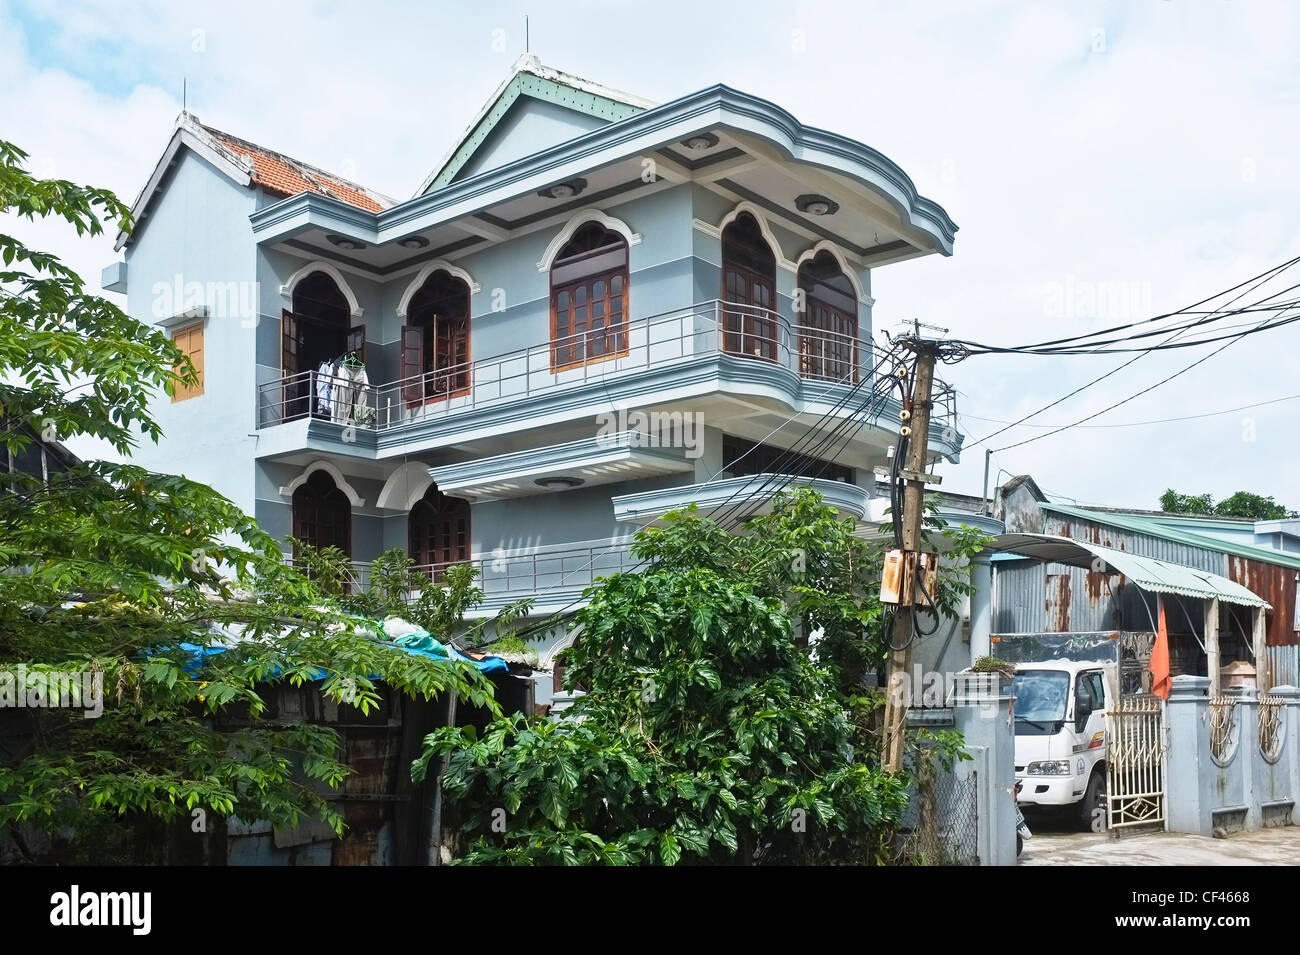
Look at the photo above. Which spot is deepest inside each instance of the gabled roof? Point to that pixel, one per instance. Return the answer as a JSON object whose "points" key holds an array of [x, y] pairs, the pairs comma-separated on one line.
{"points": [[1152, 527], [531, 79], [281, 174], [249, 164]]}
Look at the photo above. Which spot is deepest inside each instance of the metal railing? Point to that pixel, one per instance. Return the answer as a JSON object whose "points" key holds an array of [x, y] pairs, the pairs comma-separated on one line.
{"points": [[707, 329], [314, 394], [510, 574], [506, 573]]}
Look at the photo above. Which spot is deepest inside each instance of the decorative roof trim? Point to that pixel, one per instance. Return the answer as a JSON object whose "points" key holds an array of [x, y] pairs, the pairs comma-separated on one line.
{"points": [[530, 78], [707, 109]]}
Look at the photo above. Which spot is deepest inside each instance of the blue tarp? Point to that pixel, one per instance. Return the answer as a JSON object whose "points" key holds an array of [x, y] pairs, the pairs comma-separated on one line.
{"points": [[414, 644]]}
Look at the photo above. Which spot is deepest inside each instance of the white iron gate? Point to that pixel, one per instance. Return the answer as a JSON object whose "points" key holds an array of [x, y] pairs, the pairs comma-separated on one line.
{"points": [[1135, 768]]}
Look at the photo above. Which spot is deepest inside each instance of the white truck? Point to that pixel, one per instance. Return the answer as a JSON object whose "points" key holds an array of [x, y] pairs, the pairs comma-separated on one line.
{"points": [[1064, 683], [1060, 725]]}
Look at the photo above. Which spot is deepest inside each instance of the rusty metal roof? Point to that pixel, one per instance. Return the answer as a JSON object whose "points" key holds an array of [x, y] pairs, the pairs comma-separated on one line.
{"points": [[1155, 576], [1155, 527]]}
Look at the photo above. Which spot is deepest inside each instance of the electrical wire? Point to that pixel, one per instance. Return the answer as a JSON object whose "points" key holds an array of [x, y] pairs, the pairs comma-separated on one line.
{"points": [[1149, 388], [1137, 424], [555, 615], [1257, 279], [1257, 282]]}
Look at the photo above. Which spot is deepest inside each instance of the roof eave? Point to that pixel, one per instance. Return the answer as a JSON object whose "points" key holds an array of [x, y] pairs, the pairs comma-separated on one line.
{"points": [[182, 136], [925, 219]]}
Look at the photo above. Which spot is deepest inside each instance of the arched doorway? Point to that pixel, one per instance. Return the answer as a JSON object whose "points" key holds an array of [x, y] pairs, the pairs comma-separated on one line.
{"points": [[438, 532], [316, 332], [435, 340], [322, 514], [749, 283], [828, 323]]}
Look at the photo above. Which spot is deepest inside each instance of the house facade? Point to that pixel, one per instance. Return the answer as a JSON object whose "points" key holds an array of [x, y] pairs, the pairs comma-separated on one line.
{"points": [[594, 311]]}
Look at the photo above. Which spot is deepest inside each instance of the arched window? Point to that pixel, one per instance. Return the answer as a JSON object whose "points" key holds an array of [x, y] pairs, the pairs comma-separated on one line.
{"points": [[438, 531], [828, 323], [322, 514], [749, 284], [435, 340], [315, 332], [589, 298]]}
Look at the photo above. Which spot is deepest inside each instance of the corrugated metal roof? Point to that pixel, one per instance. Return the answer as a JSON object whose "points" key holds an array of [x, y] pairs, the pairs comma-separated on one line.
{"points": [[1155, 576], [1155, 528]]}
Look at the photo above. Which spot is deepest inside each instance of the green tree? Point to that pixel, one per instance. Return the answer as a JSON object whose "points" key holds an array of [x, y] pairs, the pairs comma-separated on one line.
{"points": [[710, 732], [113, 568], [1174, 503], [1255, 507]]}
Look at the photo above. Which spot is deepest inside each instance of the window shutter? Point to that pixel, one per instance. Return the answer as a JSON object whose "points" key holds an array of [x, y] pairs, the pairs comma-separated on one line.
{"points": [[357, 341], [190, 341], [288, 344], [412, 362]]}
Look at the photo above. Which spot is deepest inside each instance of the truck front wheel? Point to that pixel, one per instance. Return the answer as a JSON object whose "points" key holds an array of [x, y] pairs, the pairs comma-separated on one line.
{"points": [[1092, 811]]}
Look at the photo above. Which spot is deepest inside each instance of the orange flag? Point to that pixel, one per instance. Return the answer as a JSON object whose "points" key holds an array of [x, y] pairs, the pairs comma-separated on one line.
{"points": [[1159, 665]]}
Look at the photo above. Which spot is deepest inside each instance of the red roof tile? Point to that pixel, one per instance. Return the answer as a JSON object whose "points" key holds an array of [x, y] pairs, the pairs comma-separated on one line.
{"points": [[280, 174]]}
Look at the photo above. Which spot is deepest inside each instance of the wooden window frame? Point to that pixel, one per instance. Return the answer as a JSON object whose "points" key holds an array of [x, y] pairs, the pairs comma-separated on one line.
{"points": [[447, 503], [623, 327], [747, 318], [809, 284], [310, 495], [184, 392]]}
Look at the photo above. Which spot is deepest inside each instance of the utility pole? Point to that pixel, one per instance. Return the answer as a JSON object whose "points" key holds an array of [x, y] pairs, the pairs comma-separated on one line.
{"points": [[914, 476]]}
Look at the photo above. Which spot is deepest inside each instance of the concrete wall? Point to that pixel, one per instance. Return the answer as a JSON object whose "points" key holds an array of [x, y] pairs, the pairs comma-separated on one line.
{"points": [[1240, 788], [198, 232]]}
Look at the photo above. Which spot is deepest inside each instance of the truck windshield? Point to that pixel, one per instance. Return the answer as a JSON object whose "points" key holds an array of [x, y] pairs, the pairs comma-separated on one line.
{"points": [[1041, 696]]}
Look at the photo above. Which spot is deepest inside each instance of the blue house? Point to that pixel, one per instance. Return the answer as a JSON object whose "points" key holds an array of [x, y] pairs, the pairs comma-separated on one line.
{"points": [[594, 310]]}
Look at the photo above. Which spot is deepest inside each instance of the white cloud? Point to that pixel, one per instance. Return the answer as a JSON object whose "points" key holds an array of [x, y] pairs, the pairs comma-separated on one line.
{"points": [[1165, 157]]}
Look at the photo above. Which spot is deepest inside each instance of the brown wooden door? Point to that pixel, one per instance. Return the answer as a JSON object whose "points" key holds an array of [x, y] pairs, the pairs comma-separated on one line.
{"points": [[412, 366], [439, 531], [296, 394], [749, 330], [322, 514]]}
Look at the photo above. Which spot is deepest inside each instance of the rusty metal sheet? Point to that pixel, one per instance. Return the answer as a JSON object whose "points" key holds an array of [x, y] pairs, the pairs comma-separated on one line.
{"points": [[1057, 604], [1275, 584]]}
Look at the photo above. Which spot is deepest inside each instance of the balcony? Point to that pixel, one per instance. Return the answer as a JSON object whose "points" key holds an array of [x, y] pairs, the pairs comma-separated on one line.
{"points": [[736, 498], [555, 576], [679, 354]]}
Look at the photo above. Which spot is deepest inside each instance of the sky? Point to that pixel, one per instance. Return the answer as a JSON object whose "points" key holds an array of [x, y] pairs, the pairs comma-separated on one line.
{"points": [[1104, 161]]}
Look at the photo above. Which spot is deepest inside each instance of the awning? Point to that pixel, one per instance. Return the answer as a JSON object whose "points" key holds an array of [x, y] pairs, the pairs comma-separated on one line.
{"points": [[1149, 573]]}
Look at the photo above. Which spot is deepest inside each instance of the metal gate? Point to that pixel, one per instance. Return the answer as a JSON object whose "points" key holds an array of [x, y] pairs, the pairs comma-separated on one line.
{"points": [[1135, 769]]}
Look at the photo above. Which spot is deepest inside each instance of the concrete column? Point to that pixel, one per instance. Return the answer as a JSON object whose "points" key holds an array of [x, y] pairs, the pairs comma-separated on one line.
{"points": [[1289, 761], [1212, 644], [1262, 676], [1248, 755], [982, 714], [1187, 799], [981, 606]]}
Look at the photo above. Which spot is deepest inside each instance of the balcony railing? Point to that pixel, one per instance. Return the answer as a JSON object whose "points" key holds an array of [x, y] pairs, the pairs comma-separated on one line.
{"points": [[707, 329], [512, 576]]}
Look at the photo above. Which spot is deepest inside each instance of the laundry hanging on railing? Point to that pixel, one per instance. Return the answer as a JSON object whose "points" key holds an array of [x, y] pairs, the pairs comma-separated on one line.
{"points": [[342, 391]]}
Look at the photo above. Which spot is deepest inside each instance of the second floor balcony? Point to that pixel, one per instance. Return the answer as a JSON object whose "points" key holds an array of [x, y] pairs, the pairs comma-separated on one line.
{"points": [[692, 351]]}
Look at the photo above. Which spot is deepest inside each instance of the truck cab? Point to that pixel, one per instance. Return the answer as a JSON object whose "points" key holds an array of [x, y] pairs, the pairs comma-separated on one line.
{"points": [[1060, 729]]}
